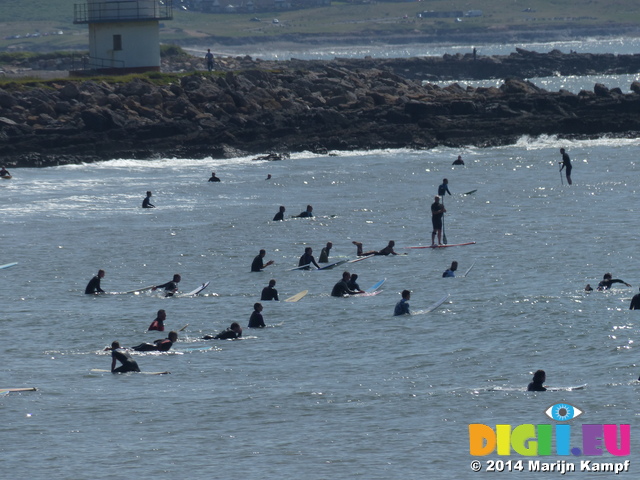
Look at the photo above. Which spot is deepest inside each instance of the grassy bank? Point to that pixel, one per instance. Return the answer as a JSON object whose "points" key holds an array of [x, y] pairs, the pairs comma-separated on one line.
{"points": [[49, 24]]}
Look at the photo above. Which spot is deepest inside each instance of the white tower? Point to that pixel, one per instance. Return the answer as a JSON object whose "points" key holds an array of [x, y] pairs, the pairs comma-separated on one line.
{"points": [[124, 35]]}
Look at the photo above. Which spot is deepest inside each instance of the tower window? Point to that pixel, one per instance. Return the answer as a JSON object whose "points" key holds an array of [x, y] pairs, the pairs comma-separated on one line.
{"points": [[117, 42]]}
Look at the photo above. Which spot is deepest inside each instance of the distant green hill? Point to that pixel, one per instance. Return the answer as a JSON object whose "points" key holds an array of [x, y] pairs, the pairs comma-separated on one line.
{"points": [[48, 25]]}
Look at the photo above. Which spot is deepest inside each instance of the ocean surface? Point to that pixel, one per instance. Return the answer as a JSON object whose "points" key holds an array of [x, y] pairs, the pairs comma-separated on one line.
{"points": [[334, 388]]}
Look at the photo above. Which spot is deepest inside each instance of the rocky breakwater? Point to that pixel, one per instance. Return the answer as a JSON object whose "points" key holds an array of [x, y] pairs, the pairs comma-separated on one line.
{"points": [[256, 111]]}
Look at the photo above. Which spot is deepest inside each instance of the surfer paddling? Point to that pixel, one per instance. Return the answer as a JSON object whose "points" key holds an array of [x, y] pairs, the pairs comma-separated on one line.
{"points": [[170, 287], [388, 250], [161, 345], [232, 333], [607, 282]]}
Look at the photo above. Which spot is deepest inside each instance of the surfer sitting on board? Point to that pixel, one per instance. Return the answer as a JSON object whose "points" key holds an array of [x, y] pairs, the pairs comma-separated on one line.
{"points": [[353, 284], [388, 250], [170, 287], [341, 288], [231, 333], [269, 292], [307, 259], [437, 211], [4, 172], [256, 320], [607, 281], [451, 271], [158, 323], [257, 265], [128, 363], [536, 384], [161, 345], [324, 253], [402, 307], [146, 203], [93, 287], [278, 217]]}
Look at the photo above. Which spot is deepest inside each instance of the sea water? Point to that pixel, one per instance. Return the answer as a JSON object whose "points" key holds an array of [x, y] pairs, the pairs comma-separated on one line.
{"points": [[334, 387]]}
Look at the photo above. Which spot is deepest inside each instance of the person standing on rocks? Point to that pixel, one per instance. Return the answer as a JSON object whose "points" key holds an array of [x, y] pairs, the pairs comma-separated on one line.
{"points": [[566, 164], [209, 58]]}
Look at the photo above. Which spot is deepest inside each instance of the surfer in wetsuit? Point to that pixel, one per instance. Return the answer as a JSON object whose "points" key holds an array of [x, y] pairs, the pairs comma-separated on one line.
{"points": [[307, 259], [341, 288], [93, 287], [119, 354], [213, 177], [269, 292], [458, 161], [170, 287], [444, 188], [566, 164], [307, 213], [353, 284], [146, 203], [402, 307], [4, 172], [324, 253], [231, 333], [388, 250], [451, 271], [607, 281], [158, 323], [635, 302], [536, 384], [437, 212], [257, 265], [161, 345], [256, 320], [278, 217]]}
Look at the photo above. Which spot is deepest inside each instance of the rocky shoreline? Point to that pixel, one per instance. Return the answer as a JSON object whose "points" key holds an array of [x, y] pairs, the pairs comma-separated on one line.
{"points": [[255, 107]]}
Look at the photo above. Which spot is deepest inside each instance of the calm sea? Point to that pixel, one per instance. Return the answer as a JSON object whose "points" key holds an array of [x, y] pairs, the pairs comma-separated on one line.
{"points": [[334, 388]]}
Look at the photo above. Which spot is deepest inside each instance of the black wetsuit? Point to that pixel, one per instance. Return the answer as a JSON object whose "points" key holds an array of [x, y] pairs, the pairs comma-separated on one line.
{"points": [[93, 286], [278, 217], [228, 334], [170, 288], [442, 189], [607, 283], [257, 265], [256, 320], [566, 162], [635, 302], [128, 363], [436, 218], [536, 387], [353, 286], [305, 214], [214, 179], [341, 289], [162, 345], [146, 203], [269, 293], [307, 259]]}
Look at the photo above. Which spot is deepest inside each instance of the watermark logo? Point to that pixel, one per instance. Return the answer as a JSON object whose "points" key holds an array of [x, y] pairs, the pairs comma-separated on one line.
{"points": [[543, 439]]}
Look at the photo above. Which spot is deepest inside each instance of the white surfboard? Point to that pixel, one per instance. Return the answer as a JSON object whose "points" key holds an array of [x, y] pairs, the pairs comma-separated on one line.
{"points": [[468, 270], [138, 290], [333, 265], [196, 291], [101, 370], [433, 306], [7, 265], [301, 267], [359, 259]]}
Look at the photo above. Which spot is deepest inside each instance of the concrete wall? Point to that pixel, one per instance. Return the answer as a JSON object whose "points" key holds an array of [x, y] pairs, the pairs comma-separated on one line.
{"points": [[140, 44]]}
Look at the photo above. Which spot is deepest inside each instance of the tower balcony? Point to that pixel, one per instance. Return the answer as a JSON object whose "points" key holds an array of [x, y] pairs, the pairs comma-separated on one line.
{"points": [[122, 11]]}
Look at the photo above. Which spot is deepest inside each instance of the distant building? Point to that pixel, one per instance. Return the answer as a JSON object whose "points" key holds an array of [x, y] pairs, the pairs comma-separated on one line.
{"points": [[124, 35]]}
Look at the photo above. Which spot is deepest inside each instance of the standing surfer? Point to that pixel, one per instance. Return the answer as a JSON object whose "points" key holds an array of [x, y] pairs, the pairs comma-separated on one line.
{"points": [[437, 212], [566, 164]]}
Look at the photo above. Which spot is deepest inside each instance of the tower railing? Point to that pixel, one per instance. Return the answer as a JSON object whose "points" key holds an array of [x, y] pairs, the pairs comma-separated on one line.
{"points": [[122, 11]]}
